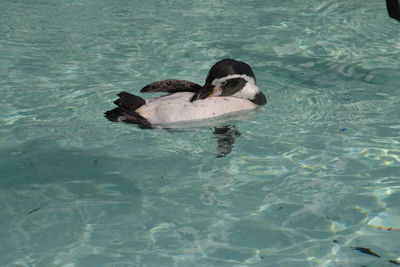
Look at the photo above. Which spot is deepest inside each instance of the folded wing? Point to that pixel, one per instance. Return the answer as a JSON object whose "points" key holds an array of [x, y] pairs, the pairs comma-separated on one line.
{"points": [[171, 86]]}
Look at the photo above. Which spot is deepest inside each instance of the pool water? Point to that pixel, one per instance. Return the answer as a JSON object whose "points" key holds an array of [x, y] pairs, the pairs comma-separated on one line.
{"points": [[313, 180]]}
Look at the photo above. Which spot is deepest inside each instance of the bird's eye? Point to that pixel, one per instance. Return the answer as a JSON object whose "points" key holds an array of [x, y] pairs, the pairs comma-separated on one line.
{"points": [[223, 83]]}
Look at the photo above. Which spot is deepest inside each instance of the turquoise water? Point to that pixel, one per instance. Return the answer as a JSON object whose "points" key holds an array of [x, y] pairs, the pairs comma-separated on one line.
{"points": [[314, 174]]}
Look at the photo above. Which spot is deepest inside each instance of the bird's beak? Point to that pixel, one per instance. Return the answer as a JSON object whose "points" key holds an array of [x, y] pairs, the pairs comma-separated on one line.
{"points": [[259, 99], [207, 90]]}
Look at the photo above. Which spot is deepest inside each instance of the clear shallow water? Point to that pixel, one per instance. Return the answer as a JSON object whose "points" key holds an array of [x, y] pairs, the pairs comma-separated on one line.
{"points": [[315, 172]]}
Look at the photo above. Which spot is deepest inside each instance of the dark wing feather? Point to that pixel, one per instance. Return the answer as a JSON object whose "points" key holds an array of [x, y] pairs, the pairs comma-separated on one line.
{"points": [[171, 86]]}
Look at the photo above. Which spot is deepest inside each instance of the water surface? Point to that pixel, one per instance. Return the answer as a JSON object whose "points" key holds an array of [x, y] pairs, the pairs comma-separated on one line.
{"points": [[314, 174]]}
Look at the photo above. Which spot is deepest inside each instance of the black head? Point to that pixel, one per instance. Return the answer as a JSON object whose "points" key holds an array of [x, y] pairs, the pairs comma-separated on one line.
{"points": [[230, 77], [227, 67]]}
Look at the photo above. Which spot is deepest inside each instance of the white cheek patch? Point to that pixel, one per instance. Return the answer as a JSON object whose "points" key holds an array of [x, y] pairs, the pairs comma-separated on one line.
{"points": [[249, 91]]}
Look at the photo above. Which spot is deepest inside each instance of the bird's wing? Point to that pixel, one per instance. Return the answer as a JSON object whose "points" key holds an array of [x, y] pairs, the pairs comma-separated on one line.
{"points": [[171, 86]]}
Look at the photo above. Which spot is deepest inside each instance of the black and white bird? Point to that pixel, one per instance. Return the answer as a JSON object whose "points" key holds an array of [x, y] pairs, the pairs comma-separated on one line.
{"points": [[230, 87]]}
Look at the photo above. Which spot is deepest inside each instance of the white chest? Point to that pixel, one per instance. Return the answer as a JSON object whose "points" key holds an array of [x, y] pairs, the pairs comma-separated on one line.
{"points": [[177, 107]]}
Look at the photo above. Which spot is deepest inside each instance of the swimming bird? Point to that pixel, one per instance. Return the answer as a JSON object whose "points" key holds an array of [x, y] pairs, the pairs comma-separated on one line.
{"points": [[230, 86]]}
